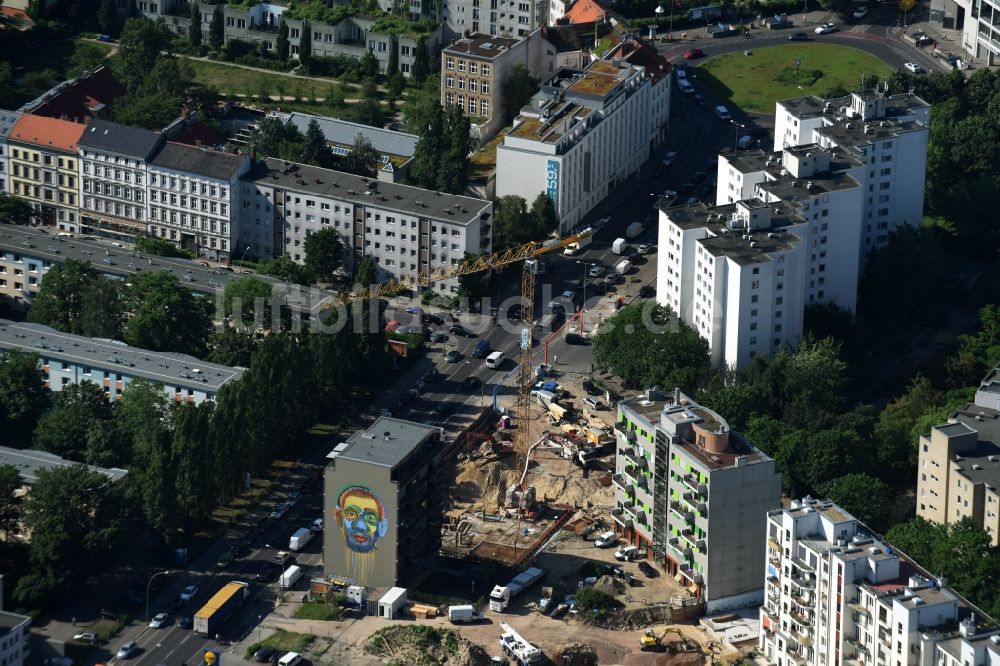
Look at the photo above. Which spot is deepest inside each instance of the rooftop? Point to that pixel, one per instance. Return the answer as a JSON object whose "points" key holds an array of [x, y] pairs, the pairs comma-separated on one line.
{"points": [[748, 161], [10, 621], [599, 79], [574, 37], [982, 463], [585, 11], [811, 106], [123, 139], [862, 133], [28, 463], [47, 132], [636, 52], [362, 191], [79, 99], [161, 367], [202, 161], [488, 47], [385, 443], [343, 133], [7, 121], [789, 188]]}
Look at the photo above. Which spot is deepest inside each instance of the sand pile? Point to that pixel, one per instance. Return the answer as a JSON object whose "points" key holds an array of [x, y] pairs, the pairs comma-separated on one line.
{"points": [[422, 644]]}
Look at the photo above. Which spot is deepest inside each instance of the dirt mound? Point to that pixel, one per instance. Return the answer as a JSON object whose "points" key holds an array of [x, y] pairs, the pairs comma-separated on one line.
{"points": [[484, 483], [422, 644], [576, 654]]}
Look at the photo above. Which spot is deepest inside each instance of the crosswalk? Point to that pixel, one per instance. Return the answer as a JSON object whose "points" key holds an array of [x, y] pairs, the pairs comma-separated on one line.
{"points": [[864, 27]]}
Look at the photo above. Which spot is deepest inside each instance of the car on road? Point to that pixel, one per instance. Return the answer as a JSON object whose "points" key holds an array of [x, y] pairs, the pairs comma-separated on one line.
{"points": [[317, 525], [159, 621], [128, 650], [470, 383], [597, 270], [224, 560], [453, 356], [576, 339], [914, 68], [569, 296], [722, 112], [279, 511], [294, 497], [647, 570], [700, 99], [189, 592], [86, 637], [799, 37], [647, 291], [415, 310], [681, 73], [185, 622], [860, 12], [438, 336], [458, 329], [669, 158], [693, 53], [644, 248], [825, 29], [267, 573]]}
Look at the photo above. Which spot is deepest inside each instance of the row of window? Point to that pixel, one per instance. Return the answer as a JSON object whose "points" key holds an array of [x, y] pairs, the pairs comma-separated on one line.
{"points": [[109, 190], [45, 194], [467, 65], [471, 107], [204, 241], [190, 222], [47, 160], [45, 177], [127, 176], [188, 185], [471, 84]]}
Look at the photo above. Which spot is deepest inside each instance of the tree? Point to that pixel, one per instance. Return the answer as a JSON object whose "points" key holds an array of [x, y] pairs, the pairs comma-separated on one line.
{"points": [[517, 91], [161, 247], [230, 347], [107, 17], [138, 51], [63, 429], [248, 303], [273, 138], [429, 151], [392, 66], [673, 354], [23, 396], [166, 315], [367, 272], [282, 45], [190, 449], [740, 403], [544, 218], [896, 445], [283, 267], [592, 599], [314, 148], [421, 65], [454, 168], [15, 210], [216, 29], [368, 65], [367, 112], [10, 501], [305, 47], [362, 160], [77, 520], [855, 494], [102, 314], [59, 302], [194, 33], [324, 253], [902, 276]]}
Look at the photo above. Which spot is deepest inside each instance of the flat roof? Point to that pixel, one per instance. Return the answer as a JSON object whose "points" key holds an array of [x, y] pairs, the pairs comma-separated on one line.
{"points": [[600, 78], [161, 367], [488, 47], [344, 132], [789, 188], [748, 161], [369, 192], [199, 160], [854, 132], [981, 464], [385, 443], [28, 464], [812, 106]]}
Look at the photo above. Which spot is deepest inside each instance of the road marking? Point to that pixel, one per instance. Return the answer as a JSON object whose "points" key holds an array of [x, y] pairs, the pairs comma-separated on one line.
{"points": [[860, 28]]}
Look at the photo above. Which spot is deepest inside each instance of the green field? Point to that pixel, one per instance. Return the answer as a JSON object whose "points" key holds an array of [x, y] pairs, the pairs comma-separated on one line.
{"points": [[755, 82]]}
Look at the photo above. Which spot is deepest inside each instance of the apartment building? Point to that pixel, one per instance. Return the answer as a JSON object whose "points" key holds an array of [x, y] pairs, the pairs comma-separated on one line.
{"points": [[835, 593], [72, 359], [406, 230], [385, 488], [29, 463], [44, 168], [958, 463], [15, 637], [736, 274], [497, 18], [979, 23], [693, 495], [193, 196], [114, 164], [585, 134], [7, 121], [887, 134]]}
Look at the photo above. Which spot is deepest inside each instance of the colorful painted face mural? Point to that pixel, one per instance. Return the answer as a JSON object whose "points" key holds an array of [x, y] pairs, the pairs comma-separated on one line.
{"points": [[362, 516]]}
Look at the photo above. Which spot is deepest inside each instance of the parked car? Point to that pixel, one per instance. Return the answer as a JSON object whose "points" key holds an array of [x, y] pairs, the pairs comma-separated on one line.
{"points": [[264, 654], [625, 553], [693, 53], [860, 12], [669, 158], [189, 592], [648, 570], [86, 637], [453, 356], [799, 37], [279, 511], [643, 248], [825, 29], [597, 270], [914, 68], [606, 539], [591, 388], [722, 112], [438, 336], [458, 329], [317, 525], [224, 560], [159, 621], [128, 650], [647, 291], [700, 99], [470, 383]]}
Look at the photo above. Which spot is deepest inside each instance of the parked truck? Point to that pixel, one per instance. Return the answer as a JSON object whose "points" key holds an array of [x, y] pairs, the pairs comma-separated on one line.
{"points": [[517, 648], [300, 539], [577, 246], [619, 245], [220, 607], [464, 613], [634, 230], [502, 595]]}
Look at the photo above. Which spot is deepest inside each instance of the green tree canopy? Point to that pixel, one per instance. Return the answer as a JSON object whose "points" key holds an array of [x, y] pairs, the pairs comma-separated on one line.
{"points": [[324, 253], [217, 30], [74, 298], [139, 50], [282, 45], [63, 429], [194, 32], [15, 210], [23, 396], [248, 303], [10, 500], [421, 63], [166, 315], [161, 247], [517, 91], [863, 496], [314, 148]]}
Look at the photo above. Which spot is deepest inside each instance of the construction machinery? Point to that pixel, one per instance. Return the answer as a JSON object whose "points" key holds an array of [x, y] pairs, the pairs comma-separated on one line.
{"points": [[528, 254], [650, 640]]}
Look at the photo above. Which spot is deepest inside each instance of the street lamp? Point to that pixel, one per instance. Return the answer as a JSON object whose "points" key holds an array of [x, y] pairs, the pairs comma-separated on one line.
{"points": [[244, 256], [148, 584], [659, 13], [736, 134], [586, 267]]}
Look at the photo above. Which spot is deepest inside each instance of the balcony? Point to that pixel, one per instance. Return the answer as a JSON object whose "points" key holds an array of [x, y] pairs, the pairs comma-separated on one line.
{"points": [[803, 582], [680, 511], [681, 549], [885, 637], [774, 545], [619, 515], [802, 600], [691, 481], [801, 617], [688, 536], [802, 639], [623, 484], [691, 574], [639, 461], [801, 564]]}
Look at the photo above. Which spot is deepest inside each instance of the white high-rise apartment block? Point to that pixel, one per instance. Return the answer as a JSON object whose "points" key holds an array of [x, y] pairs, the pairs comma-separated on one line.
{"points": [[836, 594], [7, 121], [503, 18], [590, 133], [979, 21]]}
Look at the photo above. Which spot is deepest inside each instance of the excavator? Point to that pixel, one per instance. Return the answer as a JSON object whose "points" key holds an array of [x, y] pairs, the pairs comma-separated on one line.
{"points": [[651, 641]]}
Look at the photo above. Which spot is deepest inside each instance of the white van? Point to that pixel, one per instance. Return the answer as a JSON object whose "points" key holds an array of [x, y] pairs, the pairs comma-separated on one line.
{"points": [[290, 659], [291, 576], [495, 360], [623, 267]]}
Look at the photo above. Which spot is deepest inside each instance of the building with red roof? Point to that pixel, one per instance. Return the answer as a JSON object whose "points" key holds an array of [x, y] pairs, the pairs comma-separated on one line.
{"points": [[44, 165], [78, 100]]}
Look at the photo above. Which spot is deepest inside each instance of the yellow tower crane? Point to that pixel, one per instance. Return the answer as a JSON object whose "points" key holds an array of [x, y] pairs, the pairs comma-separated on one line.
{"points": [[486, 262]]}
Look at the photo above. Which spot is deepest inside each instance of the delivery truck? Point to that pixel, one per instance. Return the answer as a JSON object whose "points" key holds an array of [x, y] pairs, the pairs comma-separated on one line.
{"points": [[218, 609], [464, 613], [502, 595], [300, 539], [290, 576], [577, 246]]}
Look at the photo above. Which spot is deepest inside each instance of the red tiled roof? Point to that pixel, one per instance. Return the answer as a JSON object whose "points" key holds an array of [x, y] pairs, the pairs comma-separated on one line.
{"points": [[47, 132], [585, 11], [78, 100], [633, 51], [11, 12]]}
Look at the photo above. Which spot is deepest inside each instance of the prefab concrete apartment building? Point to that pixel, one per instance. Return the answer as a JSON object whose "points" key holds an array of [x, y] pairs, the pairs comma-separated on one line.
{"points": [[693, 495]]}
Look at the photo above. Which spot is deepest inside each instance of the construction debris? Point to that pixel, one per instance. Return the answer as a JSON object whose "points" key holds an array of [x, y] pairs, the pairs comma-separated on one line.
{"points": [[421, 644], [576, 654]]}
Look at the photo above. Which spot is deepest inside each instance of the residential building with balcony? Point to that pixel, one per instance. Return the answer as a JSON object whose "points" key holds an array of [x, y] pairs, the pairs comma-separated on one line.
{"points": [[44, 168], [496, 18], [406, 230], [585, 134], [15, 638], [837, 594], [193, 196], [114, 163], [384, 486], [693, 496], [67, 359], [958, 464], [7, 121]]}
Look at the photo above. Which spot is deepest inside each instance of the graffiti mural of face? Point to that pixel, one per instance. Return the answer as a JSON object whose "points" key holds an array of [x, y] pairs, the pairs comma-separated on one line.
{"points": [[362, 516]]}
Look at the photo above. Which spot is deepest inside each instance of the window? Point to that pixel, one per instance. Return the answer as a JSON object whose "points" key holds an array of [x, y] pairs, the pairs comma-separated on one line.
{"points": [[486, 71], [473, 68], [449, 63], [461, 65], [486, 86], [450, 82]]}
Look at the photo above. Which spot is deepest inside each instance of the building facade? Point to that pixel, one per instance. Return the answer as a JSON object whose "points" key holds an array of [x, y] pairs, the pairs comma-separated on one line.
{"points": [[78, 100], [7, 121], [979, 23], [836, 594], [958, 464], [67, 359], [693, 495], [193, 196], [44, 168], [406, 230], [497, 18], [114, 164], [15, 638], [585, 134], [382, 488]]}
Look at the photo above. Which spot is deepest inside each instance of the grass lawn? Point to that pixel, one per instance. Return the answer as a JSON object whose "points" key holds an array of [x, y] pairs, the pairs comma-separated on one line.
{"points": [[318, 610], [484, 161], [288, 641], [756, 82]]}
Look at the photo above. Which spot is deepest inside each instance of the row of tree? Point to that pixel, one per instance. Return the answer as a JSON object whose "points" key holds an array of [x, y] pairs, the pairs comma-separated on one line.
{"points": [[273, 138]]}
